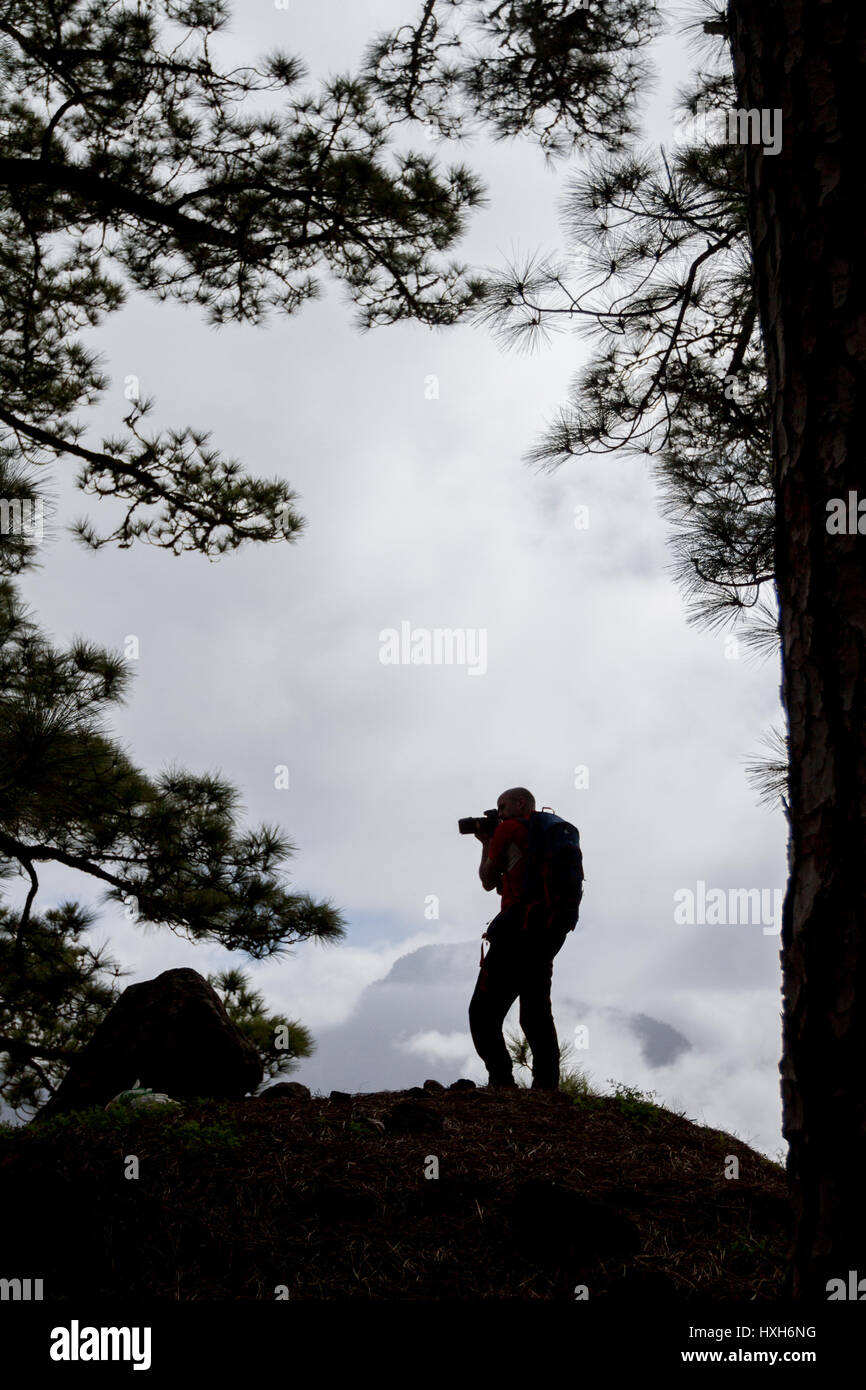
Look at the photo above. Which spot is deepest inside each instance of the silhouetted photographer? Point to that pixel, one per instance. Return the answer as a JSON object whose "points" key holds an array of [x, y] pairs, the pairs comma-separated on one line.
{"points": [[533, 859]]}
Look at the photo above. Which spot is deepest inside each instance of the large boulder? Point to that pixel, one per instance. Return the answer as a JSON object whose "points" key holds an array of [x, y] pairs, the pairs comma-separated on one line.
{"points": [[285, 1090], [171, 1034]]}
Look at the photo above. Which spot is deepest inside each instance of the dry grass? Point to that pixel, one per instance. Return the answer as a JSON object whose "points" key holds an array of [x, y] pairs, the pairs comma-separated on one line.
{"points": [[236, 1199]]}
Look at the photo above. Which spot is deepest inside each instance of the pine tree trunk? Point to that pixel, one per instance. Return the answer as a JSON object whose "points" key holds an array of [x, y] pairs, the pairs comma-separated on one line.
{"points": [[805, 57]]}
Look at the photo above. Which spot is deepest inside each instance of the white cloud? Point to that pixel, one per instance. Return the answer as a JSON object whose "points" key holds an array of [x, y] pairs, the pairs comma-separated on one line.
{"points": [[447, 1047]]}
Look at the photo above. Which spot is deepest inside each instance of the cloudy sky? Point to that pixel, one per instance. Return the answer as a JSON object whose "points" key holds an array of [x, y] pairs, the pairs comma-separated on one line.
{"points": [[420, 510]]}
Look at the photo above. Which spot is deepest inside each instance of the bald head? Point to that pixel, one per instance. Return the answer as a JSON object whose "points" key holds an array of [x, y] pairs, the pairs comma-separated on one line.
{"points": [[515, 804]]}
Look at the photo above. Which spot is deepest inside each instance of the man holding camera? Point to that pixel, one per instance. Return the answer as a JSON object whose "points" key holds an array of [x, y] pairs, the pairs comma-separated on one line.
{"points": [[524, 938]]}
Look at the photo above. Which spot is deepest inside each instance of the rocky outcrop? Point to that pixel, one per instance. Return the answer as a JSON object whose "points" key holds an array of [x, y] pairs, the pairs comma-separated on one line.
{"points": [[173, 1035]]}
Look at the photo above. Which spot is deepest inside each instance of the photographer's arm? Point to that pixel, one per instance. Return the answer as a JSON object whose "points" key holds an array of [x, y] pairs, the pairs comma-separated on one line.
{"points": [[490, 875]]}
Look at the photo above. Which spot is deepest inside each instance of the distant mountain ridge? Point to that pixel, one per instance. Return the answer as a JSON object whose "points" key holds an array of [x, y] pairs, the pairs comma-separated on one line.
{"points": [[427, 991]]}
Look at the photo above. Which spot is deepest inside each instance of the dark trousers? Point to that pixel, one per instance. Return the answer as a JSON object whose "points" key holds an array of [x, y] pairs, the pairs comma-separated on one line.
{"points": [[519, 962]]}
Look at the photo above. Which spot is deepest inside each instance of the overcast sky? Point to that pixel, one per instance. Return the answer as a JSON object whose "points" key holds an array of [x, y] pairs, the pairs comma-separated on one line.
{"points": [[421, 511]]}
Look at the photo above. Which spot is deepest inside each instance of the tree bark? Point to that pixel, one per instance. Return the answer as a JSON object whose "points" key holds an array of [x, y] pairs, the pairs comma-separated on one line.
{"points": [[806, 59]]}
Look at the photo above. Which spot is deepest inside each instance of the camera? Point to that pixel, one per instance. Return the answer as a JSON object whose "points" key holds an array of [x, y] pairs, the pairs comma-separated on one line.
{"points": [[479, 825]]}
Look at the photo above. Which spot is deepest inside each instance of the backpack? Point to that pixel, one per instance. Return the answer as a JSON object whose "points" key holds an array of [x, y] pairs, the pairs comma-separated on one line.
{"points": [[555, 863]]}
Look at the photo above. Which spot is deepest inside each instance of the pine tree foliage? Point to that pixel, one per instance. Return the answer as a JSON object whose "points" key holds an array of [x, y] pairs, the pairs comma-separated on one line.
{"points": [[130, 160], [56, 989], [165, 847], [769, 771], [281, 1042], [659, 278], [566, 73]]}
